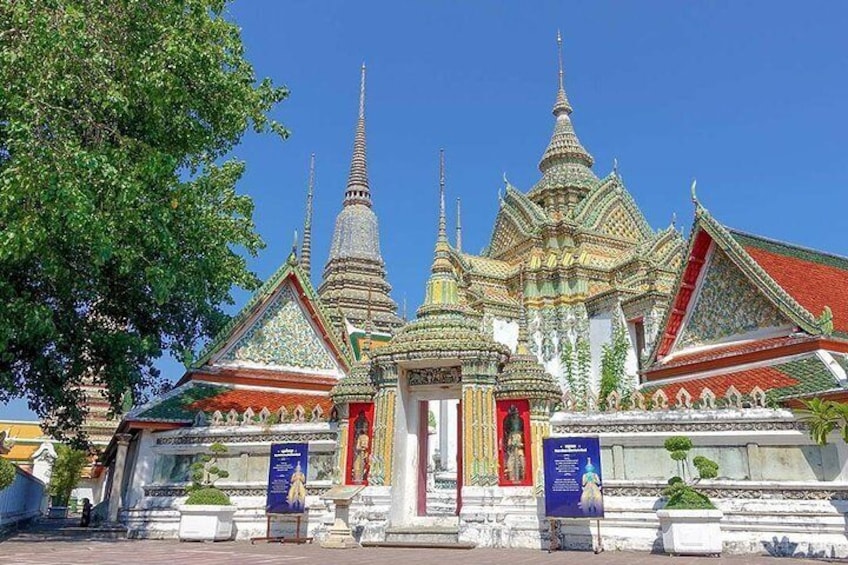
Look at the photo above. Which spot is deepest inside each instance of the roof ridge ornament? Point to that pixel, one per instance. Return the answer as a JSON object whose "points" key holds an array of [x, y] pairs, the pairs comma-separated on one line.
{"points": [[292, 259]]}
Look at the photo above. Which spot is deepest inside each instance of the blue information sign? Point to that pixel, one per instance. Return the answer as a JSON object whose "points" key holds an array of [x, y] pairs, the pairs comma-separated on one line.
{"points": [[573, 484], [287, 478]]}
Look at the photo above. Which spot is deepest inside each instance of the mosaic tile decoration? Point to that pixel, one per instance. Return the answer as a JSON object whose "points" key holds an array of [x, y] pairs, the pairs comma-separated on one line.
{"points": [[727, 305], [281, 337]]}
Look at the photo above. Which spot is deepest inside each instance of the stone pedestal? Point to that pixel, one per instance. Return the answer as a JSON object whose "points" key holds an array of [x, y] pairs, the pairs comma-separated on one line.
{"points": [[340, 535]]}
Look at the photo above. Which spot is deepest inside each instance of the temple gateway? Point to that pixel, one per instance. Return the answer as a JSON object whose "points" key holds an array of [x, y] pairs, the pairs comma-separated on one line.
{"points": [[577, 319]]}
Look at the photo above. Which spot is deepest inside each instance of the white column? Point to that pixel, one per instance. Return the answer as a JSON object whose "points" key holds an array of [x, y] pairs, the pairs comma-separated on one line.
{"points": [[118, 476]]}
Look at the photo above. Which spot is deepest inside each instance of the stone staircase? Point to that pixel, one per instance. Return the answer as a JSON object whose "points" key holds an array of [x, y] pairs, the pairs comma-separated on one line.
{"points": [[52, 529], [441, 502], [423, 536]]}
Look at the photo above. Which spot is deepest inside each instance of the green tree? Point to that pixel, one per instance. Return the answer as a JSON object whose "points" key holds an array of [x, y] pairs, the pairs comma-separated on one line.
{"points": [[66, 473], [121, 232]]}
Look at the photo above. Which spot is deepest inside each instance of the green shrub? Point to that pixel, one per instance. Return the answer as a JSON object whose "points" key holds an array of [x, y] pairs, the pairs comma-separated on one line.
{"points": [[680, 494], [7, 473], [707, 468], [204, 473], [208, 495]]}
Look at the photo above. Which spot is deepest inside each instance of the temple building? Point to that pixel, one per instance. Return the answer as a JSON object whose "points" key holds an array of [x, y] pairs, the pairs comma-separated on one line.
{"points": [[752, 317], [577, 319], [582, 254]]}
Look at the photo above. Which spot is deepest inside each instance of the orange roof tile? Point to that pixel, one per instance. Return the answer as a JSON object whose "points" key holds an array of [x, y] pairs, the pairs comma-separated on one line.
{"points": [[812, 284], [242, 399], [766, 378]]}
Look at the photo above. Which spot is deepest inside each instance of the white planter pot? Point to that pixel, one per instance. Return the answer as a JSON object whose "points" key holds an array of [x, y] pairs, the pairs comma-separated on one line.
{"points": [[206, 522], [691, 532]]}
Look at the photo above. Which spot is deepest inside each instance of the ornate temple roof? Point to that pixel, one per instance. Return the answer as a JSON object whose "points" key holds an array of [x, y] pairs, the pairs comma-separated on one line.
{"points": [[816, 280], [444, 327], [355, 263], [797, 377], [799, 275], [748, 312], [283, 327], [182, 406], [565, 162]]}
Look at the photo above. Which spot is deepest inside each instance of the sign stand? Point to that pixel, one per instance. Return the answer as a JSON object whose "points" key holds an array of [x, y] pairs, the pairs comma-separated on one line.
{"points": [[282, 539], [573, 485], [554, 527]]}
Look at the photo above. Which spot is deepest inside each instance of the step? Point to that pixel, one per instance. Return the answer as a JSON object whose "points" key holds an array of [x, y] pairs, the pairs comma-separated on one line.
{"points": [[442, 535], [419, 545]]}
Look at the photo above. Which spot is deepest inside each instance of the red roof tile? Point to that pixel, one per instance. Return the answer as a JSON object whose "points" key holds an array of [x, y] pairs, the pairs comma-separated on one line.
{"points": [[242, 399], [812, 284], [766, 378]]}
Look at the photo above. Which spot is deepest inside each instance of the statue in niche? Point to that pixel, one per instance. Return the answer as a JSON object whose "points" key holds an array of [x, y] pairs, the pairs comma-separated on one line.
{"points": [[513, 437], [362, 442], [297, 491]]}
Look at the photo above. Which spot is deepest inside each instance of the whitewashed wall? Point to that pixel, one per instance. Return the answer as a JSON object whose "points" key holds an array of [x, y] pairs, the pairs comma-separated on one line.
{"points": [[23, 500]]}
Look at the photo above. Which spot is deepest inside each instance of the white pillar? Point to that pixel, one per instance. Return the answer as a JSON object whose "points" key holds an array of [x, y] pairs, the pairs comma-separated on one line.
{"points": [[118, 476]]}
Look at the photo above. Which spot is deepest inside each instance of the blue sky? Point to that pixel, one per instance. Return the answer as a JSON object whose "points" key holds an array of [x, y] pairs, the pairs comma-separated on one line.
{"points": [[747, 97]]}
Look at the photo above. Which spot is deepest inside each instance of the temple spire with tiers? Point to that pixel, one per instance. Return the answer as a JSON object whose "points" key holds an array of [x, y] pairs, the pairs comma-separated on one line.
{"points": [[566, 166], [355, 264]]}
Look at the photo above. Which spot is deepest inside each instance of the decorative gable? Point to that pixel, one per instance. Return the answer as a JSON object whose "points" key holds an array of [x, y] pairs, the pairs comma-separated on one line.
{"points": [[619, 222], [282, 336], [727, 305]]}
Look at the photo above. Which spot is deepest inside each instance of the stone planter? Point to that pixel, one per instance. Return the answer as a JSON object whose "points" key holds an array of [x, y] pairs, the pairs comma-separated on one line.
{"points": [[206, 522], [691, 532]]}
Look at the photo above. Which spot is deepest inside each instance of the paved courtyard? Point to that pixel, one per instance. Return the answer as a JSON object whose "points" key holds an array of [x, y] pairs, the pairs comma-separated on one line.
{"points": [[33, 551]]}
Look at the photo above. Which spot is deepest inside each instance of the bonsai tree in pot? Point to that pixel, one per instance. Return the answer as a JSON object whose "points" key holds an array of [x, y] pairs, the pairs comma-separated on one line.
{"points": [[207, 513], [689, 520], [66, 473]]}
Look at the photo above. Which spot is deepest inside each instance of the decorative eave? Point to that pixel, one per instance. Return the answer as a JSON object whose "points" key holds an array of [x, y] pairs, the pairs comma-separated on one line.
{"points": [[705, 225], [291, 270]]}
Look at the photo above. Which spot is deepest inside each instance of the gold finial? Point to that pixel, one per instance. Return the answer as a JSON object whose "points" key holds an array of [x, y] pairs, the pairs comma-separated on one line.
{"points": [[559, 49], [362, 92], [694, 194], [443, 234]]}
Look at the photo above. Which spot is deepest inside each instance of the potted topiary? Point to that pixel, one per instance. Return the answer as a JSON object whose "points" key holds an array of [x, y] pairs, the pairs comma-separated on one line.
{"points": [[689, 520], [66, 473], [207, 514]]}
